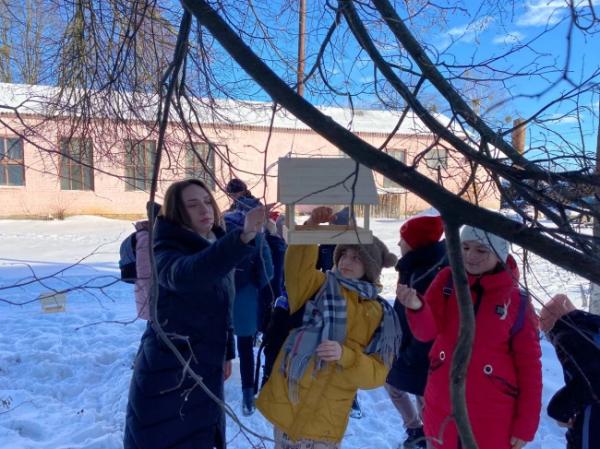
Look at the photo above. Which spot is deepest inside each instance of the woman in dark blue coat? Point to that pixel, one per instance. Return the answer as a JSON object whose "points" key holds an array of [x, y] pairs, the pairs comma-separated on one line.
{"points": [[194, 260]]}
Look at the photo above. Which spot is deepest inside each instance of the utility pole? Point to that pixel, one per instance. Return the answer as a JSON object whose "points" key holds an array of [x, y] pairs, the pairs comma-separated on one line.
{"points": [[301, 36], [519, 135]]}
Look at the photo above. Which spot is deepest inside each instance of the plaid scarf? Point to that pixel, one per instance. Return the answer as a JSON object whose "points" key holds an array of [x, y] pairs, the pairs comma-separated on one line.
{"points": [[325, 319]]}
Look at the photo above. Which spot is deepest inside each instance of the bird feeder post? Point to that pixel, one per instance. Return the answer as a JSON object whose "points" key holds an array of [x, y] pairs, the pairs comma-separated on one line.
{"points": [[290, 216]]}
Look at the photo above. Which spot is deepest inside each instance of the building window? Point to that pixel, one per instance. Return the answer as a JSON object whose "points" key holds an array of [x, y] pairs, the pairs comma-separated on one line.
{"points": [[76, 164], [195, 168], [12, 165], [139, 158], [436, 158], [401, 156]]}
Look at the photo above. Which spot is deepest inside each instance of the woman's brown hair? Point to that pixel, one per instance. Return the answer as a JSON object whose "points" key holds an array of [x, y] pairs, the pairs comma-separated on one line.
{"points": [[173, 208]]}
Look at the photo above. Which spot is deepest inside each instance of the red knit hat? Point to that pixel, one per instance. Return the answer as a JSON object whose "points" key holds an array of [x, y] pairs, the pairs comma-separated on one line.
{"points": [[422, 230]]}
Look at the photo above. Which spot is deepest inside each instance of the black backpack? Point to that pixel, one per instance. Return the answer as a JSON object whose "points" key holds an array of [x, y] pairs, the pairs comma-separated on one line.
{"points": [[127, 258], [280, 325]]}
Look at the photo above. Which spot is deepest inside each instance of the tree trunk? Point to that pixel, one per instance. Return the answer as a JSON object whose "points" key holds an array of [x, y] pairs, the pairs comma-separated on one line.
{"points": [[5, 46], [446, 202], [466, 335], [595, 288]]}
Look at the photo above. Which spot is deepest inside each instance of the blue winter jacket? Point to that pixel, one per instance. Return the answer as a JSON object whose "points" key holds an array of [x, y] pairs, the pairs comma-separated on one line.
{"points": [[251, 275], [196, 290]]}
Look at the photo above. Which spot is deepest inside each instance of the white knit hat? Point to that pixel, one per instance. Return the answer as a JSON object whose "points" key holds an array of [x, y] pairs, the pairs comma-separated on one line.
{"points": [[497, 244]]}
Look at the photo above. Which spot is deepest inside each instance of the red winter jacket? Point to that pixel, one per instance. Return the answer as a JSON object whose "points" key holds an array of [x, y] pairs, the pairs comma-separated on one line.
{"points": [[504, 379]]}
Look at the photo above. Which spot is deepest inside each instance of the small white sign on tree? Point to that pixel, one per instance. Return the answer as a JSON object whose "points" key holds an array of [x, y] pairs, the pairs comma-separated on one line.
{"points": [[326, 181]]}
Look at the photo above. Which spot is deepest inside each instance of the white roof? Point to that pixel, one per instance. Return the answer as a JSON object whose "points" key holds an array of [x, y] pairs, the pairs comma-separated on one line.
{"points": [[49, 101], [324, 181]]}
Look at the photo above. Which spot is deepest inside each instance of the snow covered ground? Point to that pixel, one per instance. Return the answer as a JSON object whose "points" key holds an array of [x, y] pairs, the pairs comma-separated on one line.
{"points": [[64, 377]]}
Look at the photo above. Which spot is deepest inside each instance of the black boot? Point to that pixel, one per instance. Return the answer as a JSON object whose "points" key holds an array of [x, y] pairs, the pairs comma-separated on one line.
{"points": [[248, 406], [415, 439], [356, 411]]}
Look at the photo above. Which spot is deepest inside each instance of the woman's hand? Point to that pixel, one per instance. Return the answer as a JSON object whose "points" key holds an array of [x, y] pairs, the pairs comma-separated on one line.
{"points": [[408, 297], [227, 370], [321, 214], [253, 223], [329, 351], [516, 443]]}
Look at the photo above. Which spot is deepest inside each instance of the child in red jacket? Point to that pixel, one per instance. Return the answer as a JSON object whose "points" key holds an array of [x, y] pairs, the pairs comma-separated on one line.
{"points": [[504, 379]]}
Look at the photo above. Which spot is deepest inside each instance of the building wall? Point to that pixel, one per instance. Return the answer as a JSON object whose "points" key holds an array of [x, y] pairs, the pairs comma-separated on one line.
{"points": [[245, 147]]}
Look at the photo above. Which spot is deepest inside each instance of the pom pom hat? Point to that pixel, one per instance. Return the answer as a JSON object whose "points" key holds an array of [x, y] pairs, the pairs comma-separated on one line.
{"points": [[422, 230], [374, 257]]}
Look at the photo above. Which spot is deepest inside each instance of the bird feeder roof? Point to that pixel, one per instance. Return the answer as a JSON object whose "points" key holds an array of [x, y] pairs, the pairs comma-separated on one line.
{"points": [[325, 181]]}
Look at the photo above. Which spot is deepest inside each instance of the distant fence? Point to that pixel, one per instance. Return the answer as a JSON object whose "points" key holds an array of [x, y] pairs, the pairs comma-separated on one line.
{"points": [[393, 205], [390, 205]]}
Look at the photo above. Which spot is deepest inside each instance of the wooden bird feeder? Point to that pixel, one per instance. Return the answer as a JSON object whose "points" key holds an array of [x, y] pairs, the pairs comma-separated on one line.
{"points": [[325, 181], [53, 302]]}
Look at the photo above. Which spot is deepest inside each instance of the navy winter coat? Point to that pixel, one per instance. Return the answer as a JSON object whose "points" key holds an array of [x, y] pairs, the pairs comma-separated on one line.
{"points": [[575, 338], [196, 290], [416, 269]]}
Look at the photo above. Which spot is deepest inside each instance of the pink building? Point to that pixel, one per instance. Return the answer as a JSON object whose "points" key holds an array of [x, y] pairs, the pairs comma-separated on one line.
{"points": [[52, 166]]}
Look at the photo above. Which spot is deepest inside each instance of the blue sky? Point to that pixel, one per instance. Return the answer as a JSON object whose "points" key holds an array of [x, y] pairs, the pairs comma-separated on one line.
{"points": [[544, 24], [541, 28], [532, 36]]}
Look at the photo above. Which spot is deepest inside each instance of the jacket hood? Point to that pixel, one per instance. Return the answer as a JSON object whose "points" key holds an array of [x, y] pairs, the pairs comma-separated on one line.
{"points": [[426, 256]]}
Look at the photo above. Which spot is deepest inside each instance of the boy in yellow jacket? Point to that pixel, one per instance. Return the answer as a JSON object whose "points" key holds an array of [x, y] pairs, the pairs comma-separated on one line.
{"points": [[347, 341]]}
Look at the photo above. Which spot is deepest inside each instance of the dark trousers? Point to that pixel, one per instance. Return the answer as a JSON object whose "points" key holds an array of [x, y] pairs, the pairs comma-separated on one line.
{"points": [[585, 434], [245, 347]]}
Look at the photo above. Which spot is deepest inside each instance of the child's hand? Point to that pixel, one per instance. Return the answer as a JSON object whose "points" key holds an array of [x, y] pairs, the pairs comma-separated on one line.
{"points": [[516, 443], [408, 297], [568, 424], [329, 351], [227, 369], [321, 214]]}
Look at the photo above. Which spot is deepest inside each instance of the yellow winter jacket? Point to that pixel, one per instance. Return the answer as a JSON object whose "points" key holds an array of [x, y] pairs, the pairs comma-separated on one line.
{"points": [[325, 399]]}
